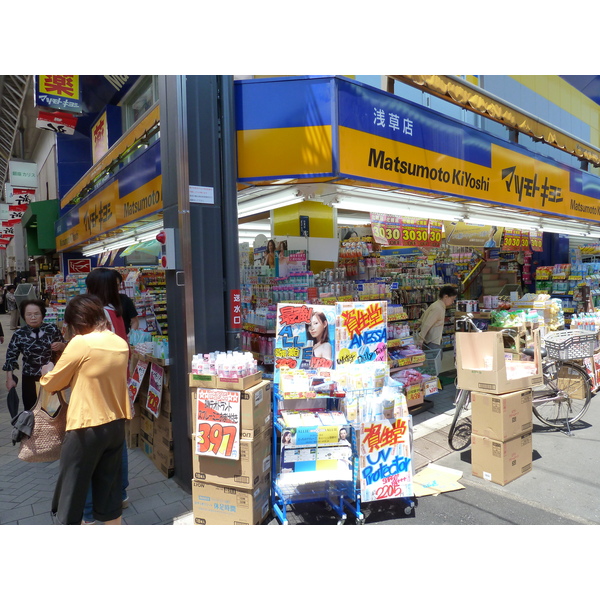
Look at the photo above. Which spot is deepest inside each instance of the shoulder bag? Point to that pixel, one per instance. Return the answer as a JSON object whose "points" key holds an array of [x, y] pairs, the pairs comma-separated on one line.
{"points": [[48, 433]]}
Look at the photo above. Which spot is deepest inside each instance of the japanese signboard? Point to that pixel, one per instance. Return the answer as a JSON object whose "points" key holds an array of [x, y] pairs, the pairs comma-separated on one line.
{"points": [[218, 423], [235, 321], [390, 230], [19, 195], [305, 337], [361, 332], [56, 121], [135, 381], [58, 92], [77, 266], [515, 240], [385, 469], [99, 138], [155, 389], [22, 174]]}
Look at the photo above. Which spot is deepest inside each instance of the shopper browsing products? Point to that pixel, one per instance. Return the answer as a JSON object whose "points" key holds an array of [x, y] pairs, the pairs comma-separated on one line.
{"points": [[429, 333], [94, 366]]}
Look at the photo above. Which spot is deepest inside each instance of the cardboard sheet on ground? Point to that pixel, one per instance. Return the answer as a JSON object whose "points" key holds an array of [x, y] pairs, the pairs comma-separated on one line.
{"points": [[435, 479]]}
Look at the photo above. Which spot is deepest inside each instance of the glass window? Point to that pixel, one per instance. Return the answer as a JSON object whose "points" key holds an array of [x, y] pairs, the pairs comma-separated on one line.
{"points": [[139, 100]]}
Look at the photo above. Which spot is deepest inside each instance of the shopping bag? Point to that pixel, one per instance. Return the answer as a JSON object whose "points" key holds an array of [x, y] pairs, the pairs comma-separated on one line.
{"points": [[48, 433]]}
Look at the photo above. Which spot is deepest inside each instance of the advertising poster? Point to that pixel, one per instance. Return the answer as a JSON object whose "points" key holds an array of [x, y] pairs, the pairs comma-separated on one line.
{"points": [[385, 469], [466, 234], [361, 332], [218, 423], [135, 381], [305, 337], [155, 389]]}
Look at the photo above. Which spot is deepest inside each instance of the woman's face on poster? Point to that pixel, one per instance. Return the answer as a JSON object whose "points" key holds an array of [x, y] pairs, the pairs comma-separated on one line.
{"points": [[316, 327]]}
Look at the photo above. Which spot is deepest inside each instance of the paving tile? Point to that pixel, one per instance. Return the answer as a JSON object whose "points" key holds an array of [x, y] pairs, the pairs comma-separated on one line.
{"points": [[15, 514], [39, 519], [146, 518], [144, 504], [430, 449], [154, 488], [169, 512]]}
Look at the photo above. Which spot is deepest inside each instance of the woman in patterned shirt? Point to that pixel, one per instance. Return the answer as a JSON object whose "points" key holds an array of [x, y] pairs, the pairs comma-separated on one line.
{"points": [[36, 341]]}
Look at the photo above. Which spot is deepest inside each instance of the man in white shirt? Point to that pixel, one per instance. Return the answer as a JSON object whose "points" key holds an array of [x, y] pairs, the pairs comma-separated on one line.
{"points": [[429, 333]]}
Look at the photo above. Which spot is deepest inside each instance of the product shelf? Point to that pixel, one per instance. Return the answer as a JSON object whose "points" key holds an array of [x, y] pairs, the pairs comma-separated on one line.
{"points": [[287, 489]]}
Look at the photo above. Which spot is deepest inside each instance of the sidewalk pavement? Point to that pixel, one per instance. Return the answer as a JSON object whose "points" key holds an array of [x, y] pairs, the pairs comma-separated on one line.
{"points": [[26, 488]]}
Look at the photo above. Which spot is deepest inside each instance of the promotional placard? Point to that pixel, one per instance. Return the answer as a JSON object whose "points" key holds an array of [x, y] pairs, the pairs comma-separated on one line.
{"points": [[385, 468], [361, 332], [136, 378], [155, 389], [305, 337], [218, 423]]}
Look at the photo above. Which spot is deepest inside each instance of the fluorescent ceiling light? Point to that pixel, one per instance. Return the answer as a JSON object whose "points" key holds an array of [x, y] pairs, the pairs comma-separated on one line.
{"points": [[253, 207], [391, 208], [255, 226], [352, 221], [142, 233], [499, 223]]}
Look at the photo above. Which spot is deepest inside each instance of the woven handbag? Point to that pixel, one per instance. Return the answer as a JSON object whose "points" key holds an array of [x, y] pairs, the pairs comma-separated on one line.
{"points": [[48, 433]]}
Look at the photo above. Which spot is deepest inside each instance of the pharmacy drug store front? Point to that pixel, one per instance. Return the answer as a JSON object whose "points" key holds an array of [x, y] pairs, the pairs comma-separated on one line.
{"points": [[111, 218], [369, 197]]}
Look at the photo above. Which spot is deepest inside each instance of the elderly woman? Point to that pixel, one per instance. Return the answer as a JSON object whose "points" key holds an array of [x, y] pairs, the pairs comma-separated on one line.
{"points": [[94, 366], [36, 341]]}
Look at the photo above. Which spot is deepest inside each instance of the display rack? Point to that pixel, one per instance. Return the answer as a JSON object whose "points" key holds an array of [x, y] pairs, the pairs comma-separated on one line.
{"points": [[339, 495]]}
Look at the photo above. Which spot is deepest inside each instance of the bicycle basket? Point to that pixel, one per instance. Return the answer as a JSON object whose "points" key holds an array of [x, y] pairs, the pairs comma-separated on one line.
{"points": [[570, 344]]}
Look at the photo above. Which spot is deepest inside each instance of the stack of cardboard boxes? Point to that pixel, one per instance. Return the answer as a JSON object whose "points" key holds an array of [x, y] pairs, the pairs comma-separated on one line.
{"points": [[501, 443], [236, 492], [153, 434]]}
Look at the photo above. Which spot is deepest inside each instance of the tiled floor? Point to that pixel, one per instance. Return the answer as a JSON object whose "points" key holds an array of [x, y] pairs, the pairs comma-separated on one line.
{"points": [[26, 488]]}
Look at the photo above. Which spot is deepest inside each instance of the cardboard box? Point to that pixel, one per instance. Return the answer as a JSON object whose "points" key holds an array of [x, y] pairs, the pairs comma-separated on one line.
{"points": [[147, 428], [503, 416], [481, 365], [212, 381], [163, 431], [220, 505], [501, 462], [256, 409], [253, 465], [162, 457], [145, 446]]}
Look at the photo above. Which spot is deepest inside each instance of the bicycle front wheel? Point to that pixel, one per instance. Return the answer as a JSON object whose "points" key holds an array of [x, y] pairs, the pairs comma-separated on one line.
{"points": [[459, 436], [568, 393]]}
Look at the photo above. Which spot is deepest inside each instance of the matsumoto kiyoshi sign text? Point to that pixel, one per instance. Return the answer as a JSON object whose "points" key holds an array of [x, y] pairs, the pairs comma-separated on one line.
{"points": [[341, 129]]}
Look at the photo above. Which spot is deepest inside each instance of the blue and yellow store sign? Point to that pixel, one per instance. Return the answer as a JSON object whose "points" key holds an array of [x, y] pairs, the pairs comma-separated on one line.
{"points": [[133, 193], [336, 130]]}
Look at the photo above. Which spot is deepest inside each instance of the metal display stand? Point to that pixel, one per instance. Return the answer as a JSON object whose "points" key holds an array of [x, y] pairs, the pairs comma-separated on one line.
{"points": [[338, 495], [408, 501]]}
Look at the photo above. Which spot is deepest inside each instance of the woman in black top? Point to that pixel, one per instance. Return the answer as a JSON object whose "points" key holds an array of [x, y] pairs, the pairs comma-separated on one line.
{"points": [[36, 341]]}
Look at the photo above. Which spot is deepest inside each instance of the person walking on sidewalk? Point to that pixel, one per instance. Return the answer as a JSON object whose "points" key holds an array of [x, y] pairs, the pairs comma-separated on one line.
{"points": [[94, 366], [11, 307], [36, 341]]}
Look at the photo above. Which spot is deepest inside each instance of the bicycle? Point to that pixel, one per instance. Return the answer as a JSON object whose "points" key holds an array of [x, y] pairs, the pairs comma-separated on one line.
{"points": [[559, 402]]}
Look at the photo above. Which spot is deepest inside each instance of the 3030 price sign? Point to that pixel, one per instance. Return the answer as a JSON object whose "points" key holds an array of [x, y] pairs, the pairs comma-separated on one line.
{"points": [[218, 423], [402, 231]]}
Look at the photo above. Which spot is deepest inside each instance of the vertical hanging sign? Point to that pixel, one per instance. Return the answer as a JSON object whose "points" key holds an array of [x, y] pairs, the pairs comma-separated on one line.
{"points": [[59, 92]]}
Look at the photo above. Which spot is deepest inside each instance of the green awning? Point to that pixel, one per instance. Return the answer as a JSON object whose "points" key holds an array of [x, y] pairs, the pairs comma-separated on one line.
{"points": [[38, 222]]}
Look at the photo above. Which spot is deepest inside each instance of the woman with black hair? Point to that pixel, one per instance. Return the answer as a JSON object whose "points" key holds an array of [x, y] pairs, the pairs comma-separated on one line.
{"points": [[94, 366], [36, 341]]}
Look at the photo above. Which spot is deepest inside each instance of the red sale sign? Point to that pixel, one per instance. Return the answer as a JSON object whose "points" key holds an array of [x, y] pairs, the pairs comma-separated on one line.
{"points": [[218, 423], [79, 265]]}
